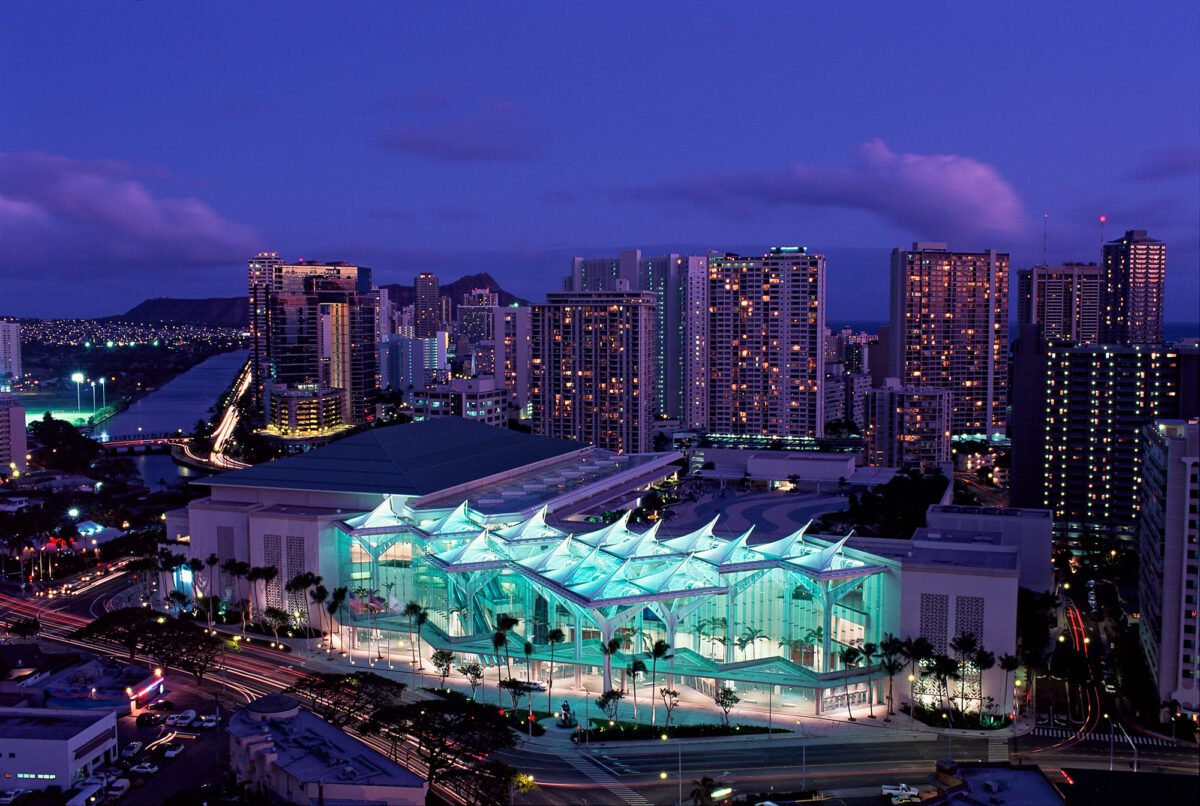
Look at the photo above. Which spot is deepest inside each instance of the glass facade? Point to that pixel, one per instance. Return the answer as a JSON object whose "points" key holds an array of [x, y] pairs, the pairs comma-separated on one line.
{"points": [[768, 616]]}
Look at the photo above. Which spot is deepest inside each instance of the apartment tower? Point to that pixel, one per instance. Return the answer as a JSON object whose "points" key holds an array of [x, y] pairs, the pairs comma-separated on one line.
{"points": [[949, 330]]}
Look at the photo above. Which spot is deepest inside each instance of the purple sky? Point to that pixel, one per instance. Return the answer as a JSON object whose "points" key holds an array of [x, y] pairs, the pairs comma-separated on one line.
{"points": [[148, 148]]}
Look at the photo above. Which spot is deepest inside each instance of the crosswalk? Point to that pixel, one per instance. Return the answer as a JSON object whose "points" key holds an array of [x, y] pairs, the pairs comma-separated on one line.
{"points": [[1102, 736], [997, 750], [605, 780]]}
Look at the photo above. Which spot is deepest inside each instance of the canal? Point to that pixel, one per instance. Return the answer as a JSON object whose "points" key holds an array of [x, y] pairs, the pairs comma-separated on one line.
{"points": [[175, 406]]}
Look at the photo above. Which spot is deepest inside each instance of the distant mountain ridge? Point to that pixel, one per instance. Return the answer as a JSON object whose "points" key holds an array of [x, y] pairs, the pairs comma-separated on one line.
{"points": [[234, 312], [402, 295]]}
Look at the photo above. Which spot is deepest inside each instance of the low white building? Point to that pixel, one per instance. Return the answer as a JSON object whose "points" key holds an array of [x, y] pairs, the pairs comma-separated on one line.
{"points": [[278, 749], [43, 747]]}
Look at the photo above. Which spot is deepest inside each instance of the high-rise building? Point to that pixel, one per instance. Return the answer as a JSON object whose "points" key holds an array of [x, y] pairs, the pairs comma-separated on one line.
{"points": [[416, 363], [858, 385], [665, 276], [593, 359], [1063, 301], [477, 315], [1169, 561], [949, 330], [1135, 269], [427, 309], [10, 352], [13, 442], [512, 363], [907, 426], [385, 326], [1081, 408], [263, 278], [765, 333], [320, 328], [694, 357]]}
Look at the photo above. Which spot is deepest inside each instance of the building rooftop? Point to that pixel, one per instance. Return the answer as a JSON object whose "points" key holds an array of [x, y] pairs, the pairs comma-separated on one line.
{"points": [[945, 547], [312, 750], [414, 459], [46, 724]]}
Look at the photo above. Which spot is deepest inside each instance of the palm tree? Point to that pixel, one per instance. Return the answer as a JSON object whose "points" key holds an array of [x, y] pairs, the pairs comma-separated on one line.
{"points": [[266, 575], [413, 610], [319, 594], [334, 608], [1009, 663], [850, 657], [964, 647], [984, 660], [506, 624], [869, 651], [499, 640], [660, 651], [892, 665], [212, 562], [608, 650], [749, 637], [943, 670], [554, 638], [916, 651], [635, 668], [252, 578], [527, 649], [702, 790]]}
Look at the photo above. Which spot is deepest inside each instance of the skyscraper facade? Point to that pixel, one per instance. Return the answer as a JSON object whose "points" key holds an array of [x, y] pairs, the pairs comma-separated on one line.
{"points": [[665, 276], [1135, 269], [765, 334], [593, 359], [513, 358], [1078, 451], [13, 441], [10, 351], [1063, 301], [427, 310], [1169, 559], [949, 330], [319, 328], [694, 390], [907, 426], [263, 271]]}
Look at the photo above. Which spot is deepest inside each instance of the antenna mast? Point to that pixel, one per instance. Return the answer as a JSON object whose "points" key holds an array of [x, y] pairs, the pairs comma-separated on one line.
{"points": [[1103, 218]]}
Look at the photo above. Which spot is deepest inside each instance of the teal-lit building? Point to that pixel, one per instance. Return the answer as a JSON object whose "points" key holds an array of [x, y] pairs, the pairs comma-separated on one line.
{"points": [[474, 522]]}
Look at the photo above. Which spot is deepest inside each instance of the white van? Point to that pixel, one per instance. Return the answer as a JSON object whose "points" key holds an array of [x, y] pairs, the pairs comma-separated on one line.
{"points": [[118, 788]]}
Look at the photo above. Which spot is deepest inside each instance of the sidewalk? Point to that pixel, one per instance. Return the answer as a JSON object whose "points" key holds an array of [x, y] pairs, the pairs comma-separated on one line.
{"points": [[693, 708]]}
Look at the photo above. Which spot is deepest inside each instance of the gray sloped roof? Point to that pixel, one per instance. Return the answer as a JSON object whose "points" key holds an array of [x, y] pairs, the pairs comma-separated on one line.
{"points": [[414, 459]]}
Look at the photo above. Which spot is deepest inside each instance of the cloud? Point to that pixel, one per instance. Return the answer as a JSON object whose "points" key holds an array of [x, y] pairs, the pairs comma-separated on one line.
{"points": [[60, 212], [930, 194], [1168, 164], [499, 133]]}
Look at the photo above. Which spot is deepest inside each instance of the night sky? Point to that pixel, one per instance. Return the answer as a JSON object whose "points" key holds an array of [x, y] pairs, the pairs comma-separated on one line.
{"points": [[150, 147]]}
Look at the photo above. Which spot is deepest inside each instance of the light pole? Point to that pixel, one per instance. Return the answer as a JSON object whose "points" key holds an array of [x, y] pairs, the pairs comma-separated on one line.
{"points": [[78, 378], [93, 398], [803, 755], [103, 395], [1110, 742]]}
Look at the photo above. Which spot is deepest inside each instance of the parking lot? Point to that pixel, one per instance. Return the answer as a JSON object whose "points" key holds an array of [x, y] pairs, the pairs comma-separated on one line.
{"points": [[179, 778]]}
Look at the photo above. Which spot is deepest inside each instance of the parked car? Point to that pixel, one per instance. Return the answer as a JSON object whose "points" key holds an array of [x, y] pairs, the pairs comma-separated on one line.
{"points": [[182, 719], [149, 719], [171, 750], [898, 789], [208, 721], [132, 749], [162, 705], [118, 788], [145, 768]]}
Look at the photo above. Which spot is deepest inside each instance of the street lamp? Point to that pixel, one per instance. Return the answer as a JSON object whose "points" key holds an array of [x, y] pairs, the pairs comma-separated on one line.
{"points": [[103, 396], [78, 378], [93, 398]]}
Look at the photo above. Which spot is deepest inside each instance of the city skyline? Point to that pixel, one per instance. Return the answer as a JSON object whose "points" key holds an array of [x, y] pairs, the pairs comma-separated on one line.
{"points": [[489, 162]]}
